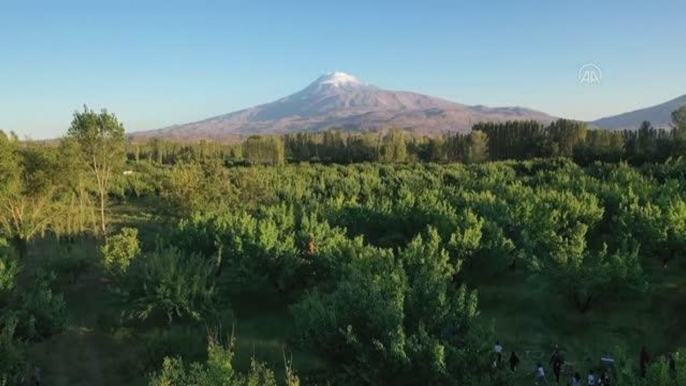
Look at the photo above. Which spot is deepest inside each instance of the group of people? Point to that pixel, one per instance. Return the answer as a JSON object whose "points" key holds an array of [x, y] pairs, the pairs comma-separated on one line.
{"points": [[557, 361]]}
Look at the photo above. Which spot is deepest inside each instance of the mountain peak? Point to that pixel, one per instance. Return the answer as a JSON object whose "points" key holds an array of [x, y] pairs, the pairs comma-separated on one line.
{"points": [[338, 79], [342, 100]]}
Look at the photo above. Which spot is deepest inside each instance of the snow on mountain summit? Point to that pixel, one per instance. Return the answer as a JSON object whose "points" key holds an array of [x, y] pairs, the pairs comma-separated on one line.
{"points": [[338, 79]]}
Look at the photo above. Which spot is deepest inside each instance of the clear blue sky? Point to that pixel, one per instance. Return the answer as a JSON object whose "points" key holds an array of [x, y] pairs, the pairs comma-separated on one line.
{"points": [[156, 63]]}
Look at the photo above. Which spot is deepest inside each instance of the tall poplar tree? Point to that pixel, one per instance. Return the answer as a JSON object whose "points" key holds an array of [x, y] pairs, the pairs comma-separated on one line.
{"points": [[102, 143]]}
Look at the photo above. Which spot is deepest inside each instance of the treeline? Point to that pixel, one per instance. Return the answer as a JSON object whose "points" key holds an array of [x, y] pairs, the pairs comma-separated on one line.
{"points": [[513, 140], [571, 139], [163, 151]]}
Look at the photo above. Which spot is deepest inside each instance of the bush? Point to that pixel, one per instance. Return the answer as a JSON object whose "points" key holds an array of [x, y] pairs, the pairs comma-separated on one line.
{"points": [[217, 371], [42, 314], [172, 283], [13, 364], [9, 269], [120, 250]]}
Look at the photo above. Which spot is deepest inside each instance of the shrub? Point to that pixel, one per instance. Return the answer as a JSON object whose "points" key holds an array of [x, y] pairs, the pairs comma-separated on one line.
{"points": [[42, 313], [217, 371], [9, 269], [170, 282], [13, 365], [120, 250]]}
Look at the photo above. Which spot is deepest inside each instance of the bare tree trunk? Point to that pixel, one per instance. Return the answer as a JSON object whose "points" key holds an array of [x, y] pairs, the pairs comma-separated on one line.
{"points": [[103, 224]]}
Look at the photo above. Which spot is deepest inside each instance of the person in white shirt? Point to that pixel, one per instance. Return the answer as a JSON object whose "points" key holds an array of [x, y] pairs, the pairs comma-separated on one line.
{"points": [[576, 380], [591, 379], [540, 375], [498, 348]]}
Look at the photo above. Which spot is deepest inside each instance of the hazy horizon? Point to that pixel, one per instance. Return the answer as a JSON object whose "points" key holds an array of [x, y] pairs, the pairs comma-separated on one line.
{"points": [[163, 63]]}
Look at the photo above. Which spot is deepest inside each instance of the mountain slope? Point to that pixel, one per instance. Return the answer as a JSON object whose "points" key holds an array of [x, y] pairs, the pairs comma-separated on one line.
{"points": [[659, 115], [343, 101]]}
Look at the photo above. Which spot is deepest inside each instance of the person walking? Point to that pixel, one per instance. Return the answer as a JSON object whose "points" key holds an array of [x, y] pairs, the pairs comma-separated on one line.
{"points": [[37, 376], [605, 379], [556, 361], [643, 361], [576, 379], [591, 379], [514, 361], [498, 349], [540, 375]]}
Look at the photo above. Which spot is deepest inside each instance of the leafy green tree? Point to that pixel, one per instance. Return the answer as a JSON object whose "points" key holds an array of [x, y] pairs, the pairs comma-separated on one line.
{"points": [[598, 274], [658, 223], [9, 269], [76, 214], [364, 147], [600, 145], [648, 144], [478, 147], [360, 323], [30, 187], [41, 313], [555, 224], [394, 147], [14, 363], [264, 150], [513, 139], [679, 131], [120, 250], [396, 319], [193, 187], [555, 239], [102, 143], [679, 118], [563, 135]]}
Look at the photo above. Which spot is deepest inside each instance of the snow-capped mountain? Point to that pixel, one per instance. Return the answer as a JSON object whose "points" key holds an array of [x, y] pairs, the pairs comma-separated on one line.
{"points": [[343, 101]]}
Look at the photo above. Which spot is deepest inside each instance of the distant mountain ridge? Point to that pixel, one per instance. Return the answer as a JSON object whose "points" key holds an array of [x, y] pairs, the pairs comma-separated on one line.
{"points": [[659, 115], [343, 101]]}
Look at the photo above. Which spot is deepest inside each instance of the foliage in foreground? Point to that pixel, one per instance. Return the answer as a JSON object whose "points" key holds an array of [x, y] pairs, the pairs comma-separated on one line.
{"points": [[32, 314], [664, 371], [217, 371], [120, 250], [398, 319], [170, 282]]}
